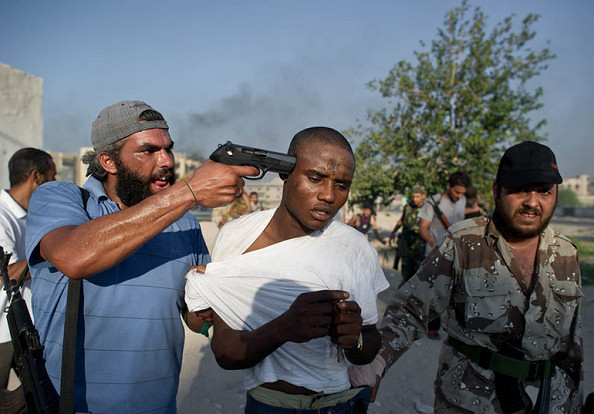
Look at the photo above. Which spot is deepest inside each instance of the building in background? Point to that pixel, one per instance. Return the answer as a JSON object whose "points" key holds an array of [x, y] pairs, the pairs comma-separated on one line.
{"points": [[269, 193], [579, 185], [21, 115], [69, 166]]}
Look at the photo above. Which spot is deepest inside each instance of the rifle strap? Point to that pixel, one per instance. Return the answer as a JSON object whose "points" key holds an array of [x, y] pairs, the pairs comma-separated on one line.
{"points": [[438, 211], [69, 347], [73, 302], [21, 279]]}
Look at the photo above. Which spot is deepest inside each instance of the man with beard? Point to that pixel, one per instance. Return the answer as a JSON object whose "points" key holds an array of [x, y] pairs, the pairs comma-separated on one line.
{"points": [[293, 291], [511, 289], [128, 235]]}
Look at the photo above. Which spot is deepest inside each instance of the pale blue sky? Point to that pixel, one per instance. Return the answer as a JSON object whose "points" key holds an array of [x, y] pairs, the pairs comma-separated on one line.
{"points": [[256, 72]]}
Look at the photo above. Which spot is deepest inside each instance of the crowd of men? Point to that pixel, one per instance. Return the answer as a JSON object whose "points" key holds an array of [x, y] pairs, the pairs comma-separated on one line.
{"points": [[289, 294]]}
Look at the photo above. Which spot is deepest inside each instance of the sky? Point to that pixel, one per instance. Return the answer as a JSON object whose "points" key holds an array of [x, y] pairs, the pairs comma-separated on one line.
{"points": [[257, 72]]}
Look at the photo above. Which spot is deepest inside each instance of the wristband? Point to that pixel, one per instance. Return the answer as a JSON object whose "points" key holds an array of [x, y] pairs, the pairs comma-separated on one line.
{"points": [[193, 193]]}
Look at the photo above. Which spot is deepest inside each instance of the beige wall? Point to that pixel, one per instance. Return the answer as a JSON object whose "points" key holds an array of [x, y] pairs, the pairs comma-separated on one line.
{"points": [[70, 167], [21, 115], [580, 185]]}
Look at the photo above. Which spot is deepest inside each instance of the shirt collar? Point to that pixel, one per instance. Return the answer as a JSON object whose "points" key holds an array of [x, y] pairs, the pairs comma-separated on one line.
{"points": [[95, 187], [15, 207]]}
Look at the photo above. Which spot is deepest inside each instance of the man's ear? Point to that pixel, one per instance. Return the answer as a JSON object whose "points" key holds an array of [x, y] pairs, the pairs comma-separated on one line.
{"points": [[37, 177], [107, 162], [494, 190]]}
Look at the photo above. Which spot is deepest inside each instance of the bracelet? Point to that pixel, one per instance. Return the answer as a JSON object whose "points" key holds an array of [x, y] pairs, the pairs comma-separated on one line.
{"points": [[359, 346], [193, 193], [360, 341], [207, 322]]}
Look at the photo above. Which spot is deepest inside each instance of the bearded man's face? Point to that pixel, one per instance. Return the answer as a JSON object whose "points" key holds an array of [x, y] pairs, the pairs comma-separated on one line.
{"points": [[524, 212]]}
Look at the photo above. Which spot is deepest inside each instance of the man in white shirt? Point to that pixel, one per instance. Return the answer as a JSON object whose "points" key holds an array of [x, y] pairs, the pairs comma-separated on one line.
{"points": [[294, 291], [28, 168]]}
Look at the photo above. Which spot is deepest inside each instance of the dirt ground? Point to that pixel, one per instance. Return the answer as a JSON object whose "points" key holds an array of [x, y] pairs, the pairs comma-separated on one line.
{"points": [[408, 385]]}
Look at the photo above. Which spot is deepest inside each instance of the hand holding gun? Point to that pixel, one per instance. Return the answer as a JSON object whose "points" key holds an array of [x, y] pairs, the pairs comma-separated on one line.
{"points": [[40, 395], [264, 160]]}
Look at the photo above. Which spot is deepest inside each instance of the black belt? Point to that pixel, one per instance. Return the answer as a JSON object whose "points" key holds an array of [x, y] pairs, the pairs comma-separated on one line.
{"points": [[496, 362]]}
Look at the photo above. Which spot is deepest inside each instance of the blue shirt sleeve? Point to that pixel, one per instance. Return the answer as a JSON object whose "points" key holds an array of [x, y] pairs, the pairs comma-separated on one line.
{"points": [[53, 205]]}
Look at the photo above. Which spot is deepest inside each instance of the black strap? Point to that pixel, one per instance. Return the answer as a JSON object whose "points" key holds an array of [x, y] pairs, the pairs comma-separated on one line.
{"points": [[69, 347], [21, 279], [70, 330]]}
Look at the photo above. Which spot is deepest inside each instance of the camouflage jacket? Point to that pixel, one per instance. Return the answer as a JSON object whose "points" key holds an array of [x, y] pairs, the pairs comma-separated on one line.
{"points": [[471, 278], [410, 218]]}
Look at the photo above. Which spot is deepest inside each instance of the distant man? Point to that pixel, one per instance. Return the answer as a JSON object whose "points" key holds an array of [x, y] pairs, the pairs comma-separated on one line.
{"points": [[131, 243], [473, 208], [511, 290], [411, 246], [255, 202], [28, 168], [438, 213], [238, 207], [294, 291], [366, 221]]}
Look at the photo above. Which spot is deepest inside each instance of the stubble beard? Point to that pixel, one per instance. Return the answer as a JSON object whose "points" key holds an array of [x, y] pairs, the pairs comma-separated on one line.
{"points": [[505, 224]]}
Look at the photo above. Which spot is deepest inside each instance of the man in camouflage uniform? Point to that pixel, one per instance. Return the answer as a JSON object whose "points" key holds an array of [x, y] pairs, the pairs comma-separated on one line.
{"points": [[511, 289], [411, 246]]}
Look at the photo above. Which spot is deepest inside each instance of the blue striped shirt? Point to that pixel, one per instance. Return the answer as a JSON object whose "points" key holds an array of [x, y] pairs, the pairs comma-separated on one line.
{"points": [[130, 343]]}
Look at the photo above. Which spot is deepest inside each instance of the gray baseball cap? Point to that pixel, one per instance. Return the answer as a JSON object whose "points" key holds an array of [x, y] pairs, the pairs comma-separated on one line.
{"points": [[119, 121]]}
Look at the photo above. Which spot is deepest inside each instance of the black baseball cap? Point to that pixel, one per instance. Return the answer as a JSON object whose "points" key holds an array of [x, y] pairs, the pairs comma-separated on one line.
{"points": [[527, 163]]}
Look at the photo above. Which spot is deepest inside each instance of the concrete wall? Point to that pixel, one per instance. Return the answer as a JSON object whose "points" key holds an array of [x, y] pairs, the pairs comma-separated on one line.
{"points": [[21, 116]]}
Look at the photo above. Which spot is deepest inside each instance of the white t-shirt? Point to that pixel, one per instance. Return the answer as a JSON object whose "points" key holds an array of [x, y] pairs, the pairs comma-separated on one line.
{"points": [[12, 239], [454, 212], [248, 290]]}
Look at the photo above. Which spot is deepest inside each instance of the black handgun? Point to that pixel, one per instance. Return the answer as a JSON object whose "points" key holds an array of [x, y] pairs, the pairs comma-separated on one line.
{"points": [[40, 397], [264, 160]]}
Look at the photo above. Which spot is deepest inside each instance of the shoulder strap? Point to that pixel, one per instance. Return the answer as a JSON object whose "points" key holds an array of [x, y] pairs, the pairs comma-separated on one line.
{"points": [[73, 303], [442, 218]]}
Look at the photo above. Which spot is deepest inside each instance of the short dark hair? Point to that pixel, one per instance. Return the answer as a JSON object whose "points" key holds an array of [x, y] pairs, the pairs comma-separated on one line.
{"points": [[319, 134], [24, 162], [459, 178], [91, 158], [471, 192]]}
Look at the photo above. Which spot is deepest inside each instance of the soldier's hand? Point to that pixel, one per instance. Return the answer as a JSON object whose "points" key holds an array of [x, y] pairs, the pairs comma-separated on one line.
{"points": [[346, 324], [310, 315], [215, 184]]}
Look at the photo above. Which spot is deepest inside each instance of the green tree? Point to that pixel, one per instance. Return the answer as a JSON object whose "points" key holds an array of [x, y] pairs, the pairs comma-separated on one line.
{"points": [[465, 101], [567, 198]]}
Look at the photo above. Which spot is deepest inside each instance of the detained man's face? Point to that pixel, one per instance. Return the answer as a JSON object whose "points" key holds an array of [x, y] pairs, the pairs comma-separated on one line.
{"points": [[524, 212], [319, 185]]}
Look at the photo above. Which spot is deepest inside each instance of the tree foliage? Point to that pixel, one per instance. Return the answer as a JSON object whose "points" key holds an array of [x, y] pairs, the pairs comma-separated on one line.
{"points": [[567, 198], [465, 101]]}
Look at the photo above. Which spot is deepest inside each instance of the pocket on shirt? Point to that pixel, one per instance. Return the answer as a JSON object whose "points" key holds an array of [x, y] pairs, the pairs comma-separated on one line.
{"points": [[487, 303], [562, 305]]}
